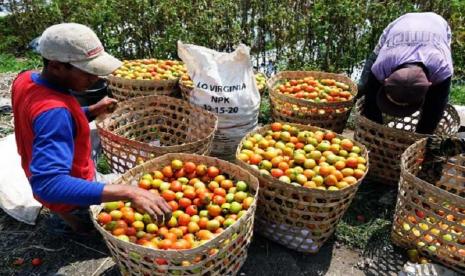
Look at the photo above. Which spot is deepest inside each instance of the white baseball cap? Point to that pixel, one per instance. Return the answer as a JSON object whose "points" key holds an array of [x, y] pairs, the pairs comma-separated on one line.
{"points": [[79, 46]]}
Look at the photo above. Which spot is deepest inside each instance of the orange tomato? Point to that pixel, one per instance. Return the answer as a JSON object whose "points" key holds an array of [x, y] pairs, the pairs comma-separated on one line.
{"points": [[184, 219], [204, 234], [167, 171], [168, 195], [165, 244]]}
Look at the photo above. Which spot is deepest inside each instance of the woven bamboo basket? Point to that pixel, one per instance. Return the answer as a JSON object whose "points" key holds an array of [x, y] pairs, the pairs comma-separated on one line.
{"points": [[123, 89], [147, 127], [289, 109], [232, 243], [387, 142], [296, 217], [426, 212]]}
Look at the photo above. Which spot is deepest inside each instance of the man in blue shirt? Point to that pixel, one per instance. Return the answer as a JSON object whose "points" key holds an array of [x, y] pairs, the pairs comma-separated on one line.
{"points": [[52, 132]]}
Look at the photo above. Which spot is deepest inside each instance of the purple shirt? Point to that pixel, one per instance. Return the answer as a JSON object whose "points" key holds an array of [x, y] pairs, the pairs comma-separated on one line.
{"points": [[415, 37]]}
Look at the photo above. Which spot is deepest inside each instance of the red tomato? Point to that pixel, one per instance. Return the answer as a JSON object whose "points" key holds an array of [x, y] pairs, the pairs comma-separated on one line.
{"points": [[189, 167], [176, 186], [219, 200], [213, 171], [276, 126], [131, 231], [185, 202], [36, 261], [104, 218], [191, 210]]}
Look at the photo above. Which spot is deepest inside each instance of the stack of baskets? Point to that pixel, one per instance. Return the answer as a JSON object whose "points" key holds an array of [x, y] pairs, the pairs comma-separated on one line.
{"points": [[387, 142], [230, 246], [147, 127], [297, 217], [431, 216], [289, 109]]}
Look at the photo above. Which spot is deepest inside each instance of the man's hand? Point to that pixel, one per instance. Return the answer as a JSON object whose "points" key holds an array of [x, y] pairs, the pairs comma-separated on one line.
{"points": [[104, 106], [140, 199], [151, 203]]}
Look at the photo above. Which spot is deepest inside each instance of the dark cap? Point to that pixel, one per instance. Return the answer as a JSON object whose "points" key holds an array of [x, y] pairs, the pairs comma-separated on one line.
{"points": [[403, 91]]}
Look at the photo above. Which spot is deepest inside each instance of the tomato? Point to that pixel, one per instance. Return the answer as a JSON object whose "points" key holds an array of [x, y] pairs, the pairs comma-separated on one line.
{"points": [[201, 170], [145, 184], [220, 191], [276, 126], [214, 210], [191, 210], [131, 231], [227, 184], [185, 202], [213, 171], [203, 223], [165, 244], [174, 205], [184, 219], [204, 235], [219, 200], [104, 218], [36, 261], [168, 195], [176, 186], [277, 173], [171, 236], [190, 194], [189, 167], [167, 171]]}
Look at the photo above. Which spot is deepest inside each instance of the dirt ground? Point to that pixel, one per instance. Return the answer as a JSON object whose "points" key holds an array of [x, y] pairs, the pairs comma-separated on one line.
{"points": [[90, 257]]}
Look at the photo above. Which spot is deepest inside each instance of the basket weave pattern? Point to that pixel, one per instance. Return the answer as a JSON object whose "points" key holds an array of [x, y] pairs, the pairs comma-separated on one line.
{"points": [[123, 89], [151, 126], [299, 218], [286, 108], [447, 197], [387, 142], [232, 243]]}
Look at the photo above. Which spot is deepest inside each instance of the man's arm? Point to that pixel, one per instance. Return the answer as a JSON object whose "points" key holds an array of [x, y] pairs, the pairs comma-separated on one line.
{"points": [[433, 107], [52, 158]]}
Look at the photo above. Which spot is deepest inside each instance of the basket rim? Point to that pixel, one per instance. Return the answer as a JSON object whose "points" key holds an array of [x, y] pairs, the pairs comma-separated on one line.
{"points": [[250, 213], [121, 80], [269, 178], [271, 83], [399, 132], [101, 120], [416, 181]]}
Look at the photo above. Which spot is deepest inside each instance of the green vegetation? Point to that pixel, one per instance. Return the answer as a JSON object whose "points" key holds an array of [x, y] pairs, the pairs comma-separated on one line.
{"points": [[103, 166], [457, 94], [9, 63], [330, 35]]}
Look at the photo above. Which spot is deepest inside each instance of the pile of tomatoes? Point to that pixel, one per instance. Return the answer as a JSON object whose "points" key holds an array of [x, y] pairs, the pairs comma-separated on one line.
{"points": [[204, 201]]}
